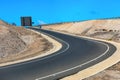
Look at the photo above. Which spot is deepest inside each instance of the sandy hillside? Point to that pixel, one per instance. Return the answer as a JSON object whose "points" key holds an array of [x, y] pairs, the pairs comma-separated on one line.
{"points": [[103, 29], [17, 43]]}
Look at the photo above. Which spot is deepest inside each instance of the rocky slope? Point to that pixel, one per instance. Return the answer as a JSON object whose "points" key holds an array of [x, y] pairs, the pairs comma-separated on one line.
{"points": [[17, 43]]}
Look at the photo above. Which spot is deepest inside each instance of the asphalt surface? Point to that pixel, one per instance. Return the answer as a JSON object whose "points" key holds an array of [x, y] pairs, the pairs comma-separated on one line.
{"points": [[75, 55]]}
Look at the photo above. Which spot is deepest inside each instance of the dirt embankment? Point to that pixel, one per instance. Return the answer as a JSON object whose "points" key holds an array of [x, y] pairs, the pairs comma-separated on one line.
{"points": [[102, 29], [18, 43]]}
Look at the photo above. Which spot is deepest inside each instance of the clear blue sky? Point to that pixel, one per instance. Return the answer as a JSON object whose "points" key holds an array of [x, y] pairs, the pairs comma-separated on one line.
{"points": [[51, 11]]}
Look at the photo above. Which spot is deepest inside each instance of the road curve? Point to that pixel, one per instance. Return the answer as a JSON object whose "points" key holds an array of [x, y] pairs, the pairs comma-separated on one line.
{"points": [[75, 55]]}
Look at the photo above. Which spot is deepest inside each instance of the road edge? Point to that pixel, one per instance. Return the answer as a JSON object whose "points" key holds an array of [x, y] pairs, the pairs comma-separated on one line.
{"points": [[112, 60], [115, 58]]}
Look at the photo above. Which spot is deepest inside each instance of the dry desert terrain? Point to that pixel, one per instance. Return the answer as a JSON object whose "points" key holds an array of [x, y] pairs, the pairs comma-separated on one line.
{"points": [[19, 43]]}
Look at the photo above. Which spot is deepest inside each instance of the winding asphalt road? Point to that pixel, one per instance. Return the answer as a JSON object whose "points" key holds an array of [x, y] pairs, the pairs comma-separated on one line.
{"points": [[75, 55]]}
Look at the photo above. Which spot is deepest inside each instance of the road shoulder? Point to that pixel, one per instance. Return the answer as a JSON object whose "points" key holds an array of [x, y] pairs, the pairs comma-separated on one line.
{"points": [[112, 60]]}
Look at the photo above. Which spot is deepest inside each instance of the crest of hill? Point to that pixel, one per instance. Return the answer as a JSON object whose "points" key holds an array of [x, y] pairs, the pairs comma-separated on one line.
{"points": [[18, 30]]}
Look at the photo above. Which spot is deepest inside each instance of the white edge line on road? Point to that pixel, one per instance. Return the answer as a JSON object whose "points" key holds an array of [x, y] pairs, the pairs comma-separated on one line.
{"points": [[78, 65]]}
